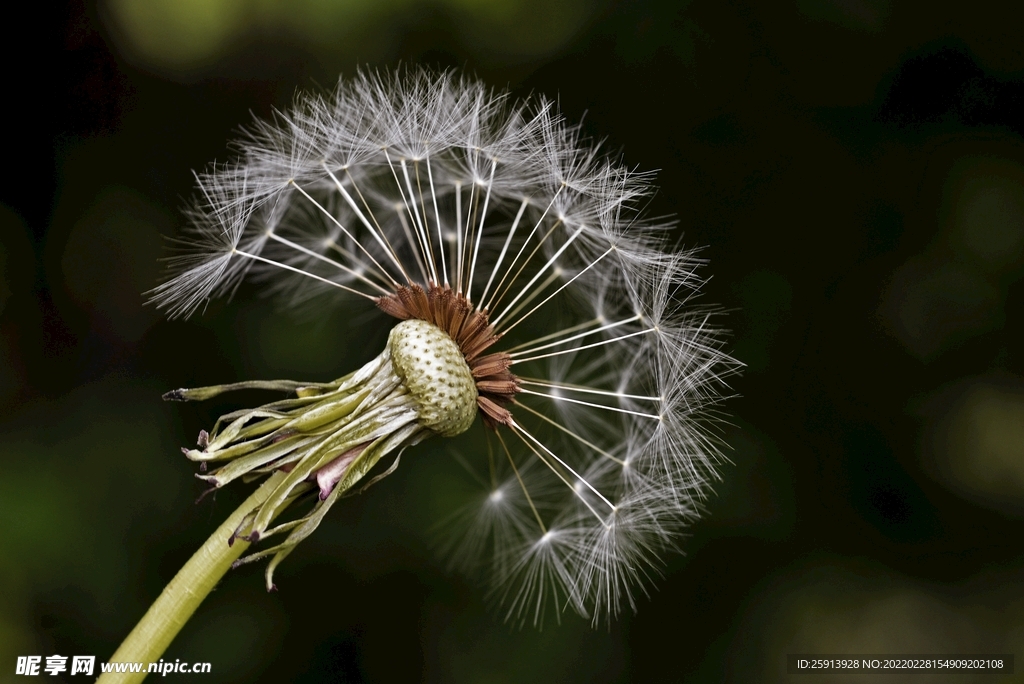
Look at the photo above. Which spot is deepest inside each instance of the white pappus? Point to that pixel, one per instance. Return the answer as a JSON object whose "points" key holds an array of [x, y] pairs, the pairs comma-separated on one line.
{"points": [[533, 294]]}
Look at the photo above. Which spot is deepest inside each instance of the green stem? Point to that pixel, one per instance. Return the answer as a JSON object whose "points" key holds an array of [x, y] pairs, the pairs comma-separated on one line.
{"points": [[180, 598]]}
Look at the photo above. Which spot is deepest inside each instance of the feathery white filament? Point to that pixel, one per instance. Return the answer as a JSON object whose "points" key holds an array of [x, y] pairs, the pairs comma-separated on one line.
{"points": [[365, 192]]}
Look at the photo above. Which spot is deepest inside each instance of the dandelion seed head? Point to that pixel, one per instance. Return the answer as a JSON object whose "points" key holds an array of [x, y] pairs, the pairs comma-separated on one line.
{"points": [[431, 199]]}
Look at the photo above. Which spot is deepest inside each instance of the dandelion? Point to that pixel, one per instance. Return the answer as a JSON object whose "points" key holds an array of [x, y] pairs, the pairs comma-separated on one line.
{"points": [[527, 298]]}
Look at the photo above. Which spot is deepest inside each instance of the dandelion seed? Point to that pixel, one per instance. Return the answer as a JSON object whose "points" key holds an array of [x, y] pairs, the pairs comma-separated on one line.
{"points": [[525, 294]]}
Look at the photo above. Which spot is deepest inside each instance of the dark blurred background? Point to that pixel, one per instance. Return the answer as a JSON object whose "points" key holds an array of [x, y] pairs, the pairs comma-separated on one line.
{"points": [[855, 171]]}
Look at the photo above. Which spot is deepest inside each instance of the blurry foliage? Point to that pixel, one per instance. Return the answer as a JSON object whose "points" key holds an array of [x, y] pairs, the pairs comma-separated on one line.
{"points": [[974, 440], [17, 258], [934, 304], [111, 256], [957, 288], [833, 606], [754, 497], [321, 339], [76, 494], [225, 633], [17, 278], [186, 39], [765, 300], [859, 15], [983, 209]]}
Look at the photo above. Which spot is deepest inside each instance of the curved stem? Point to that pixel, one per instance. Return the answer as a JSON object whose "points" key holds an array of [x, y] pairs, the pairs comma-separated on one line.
{"points": [[183, 594]]}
